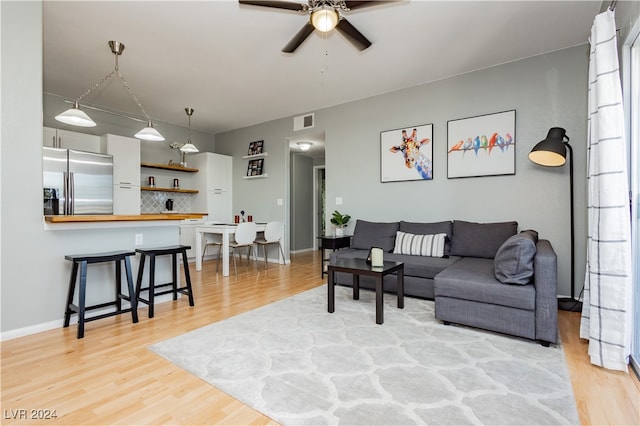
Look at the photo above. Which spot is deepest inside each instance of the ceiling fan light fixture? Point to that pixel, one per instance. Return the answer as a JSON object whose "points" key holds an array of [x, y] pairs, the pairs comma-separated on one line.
{"points": [[75, 117], [149, 133], [304, 146], [324, 19]]}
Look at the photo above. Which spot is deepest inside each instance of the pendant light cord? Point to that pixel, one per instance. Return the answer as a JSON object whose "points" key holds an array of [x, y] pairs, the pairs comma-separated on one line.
{"points": [[116, 70]]}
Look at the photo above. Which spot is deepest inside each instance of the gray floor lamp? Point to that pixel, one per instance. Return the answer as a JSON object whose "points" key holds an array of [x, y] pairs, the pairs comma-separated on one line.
{"points": [[552, 152]]}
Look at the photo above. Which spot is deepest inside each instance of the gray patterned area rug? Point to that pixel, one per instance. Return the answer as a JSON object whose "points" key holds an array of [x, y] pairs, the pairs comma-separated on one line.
{"points": [[300, 365]]}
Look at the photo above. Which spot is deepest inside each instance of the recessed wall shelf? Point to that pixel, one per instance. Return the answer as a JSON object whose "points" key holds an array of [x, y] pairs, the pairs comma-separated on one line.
{"points": [[256, 177], [264, 154], [168, 167], [184, 191]]}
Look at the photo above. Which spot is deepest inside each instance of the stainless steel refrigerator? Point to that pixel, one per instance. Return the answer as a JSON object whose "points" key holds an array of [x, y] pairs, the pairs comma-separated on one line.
{"points": [[81, 181]]}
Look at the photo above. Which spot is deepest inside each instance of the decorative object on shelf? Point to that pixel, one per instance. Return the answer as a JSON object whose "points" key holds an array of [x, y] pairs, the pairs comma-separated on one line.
{"points": [[256, 148], [76, 117], [254, 167], [552, 152], [340, 221], [152, 182], [482, 146], [242, 215], [236, 219], [169, 204], [406, 154], [176, 184], [304, 146]]}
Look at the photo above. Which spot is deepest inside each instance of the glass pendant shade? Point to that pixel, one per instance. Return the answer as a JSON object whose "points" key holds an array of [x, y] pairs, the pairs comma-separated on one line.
{"points": [[550, 152], [149, 134], [189, 148], [75, 117], [324, 19]]}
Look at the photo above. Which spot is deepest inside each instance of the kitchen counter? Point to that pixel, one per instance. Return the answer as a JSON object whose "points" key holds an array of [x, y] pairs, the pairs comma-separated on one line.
{"points": [[122, 218]]}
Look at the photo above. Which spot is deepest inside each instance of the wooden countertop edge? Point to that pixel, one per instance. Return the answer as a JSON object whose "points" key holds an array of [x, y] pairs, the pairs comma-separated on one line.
{"points": [[122, 218]]}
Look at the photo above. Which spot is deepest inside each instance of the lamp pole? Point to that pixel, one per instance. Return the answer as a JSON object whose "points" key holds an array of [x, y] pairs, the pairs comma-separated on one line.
{"points": [[571, 304]]}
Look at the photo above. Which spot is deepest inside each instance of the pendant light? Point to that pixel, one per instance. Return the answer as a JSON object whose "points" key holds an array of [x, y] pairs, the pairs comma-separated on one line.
{"points": [[76, 117], [189, 147]]}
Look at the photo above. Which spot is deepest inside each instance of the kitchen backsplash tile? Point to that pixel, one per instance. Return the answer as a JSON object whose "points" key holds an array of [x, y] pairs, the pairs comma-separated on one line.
{"points": [[153, 202]]}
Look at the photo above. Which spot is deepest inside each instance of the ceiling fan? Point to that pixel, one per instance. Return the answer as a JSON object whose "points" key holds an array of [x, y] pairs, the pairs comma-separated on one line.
{"points": [[324, 15]]}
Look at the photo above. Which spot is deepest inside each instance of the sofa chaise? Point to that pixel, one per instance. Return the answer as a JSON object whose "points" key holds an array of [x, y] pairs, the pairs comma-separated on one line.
{"points": [[484, 275]]}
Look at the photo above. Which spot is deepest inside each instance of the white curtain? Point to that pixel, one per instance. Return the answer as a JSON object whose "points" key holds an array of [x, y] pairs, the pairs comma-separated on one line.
{"points": [[606, 314]]}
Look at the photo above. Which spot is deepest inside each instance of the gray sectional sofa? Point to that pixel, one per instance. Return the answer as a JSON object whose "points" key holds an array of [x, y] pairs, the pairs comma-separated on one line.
{"points": [[484, 275]]}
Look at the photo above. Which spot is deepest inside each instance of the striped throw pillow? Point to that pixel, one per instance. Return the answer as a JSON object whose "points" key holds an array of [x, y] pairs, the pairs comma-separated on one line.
{"points": [[420, 245]]}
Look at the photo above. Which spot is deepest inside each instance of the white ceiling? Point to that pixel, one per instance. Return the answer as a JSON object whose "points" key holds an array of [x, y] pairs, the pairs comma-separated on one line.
{"points": [[225, 60]]}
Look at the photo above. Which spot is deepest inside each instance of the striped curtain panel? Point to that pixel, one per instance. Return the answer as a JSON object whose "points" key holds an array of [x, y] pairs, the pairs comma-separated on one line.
{"points": [[606, 314]]}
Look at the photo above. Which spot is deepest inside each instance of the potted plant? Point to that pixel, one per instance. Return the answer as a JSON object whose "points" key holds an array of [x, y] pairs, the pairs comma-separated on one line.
{"points": [[340, 221]]}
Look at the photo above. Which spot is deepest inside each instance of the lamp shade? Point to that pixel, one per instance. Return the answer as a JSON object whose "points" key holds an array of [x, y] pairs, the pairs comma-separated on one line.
{"points": [[552, 151], [189, 148], [75, 117], [149, 134], [324, 19]]}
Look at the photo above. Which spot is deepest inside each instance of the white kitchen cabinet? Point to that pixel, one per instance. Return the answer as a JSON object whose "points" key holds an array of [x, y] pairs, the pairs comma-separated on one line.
{"points": [[126, 158], [219, 205], [58, 138], [126, 172], [126, 199], [188, 235], [213, 181]]}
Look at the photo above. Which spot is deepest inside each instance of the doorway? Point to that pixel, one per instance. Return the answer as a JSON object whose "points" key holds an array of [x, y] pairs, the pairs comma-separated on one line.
{"points": [[306, 190]]}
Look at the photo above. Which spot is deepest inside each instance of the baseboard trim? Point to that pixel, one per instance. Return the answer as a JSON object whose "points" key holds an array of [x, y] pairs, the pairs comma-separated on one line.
{"points": [[59, 323]]}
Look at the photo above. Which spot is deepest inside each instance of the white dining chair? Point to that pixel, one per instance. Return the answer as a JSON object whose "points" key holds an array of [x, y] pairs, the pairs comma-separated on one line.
{"points": [[211, 240], [272, 235], [244, 237]]}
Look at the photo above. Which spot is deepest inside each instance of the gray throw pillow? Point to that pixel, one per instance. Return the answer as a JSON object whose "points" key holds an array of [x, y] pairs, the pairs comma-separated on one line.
{"points": [[480, 239], [374, 234], [513, 263], [426, 228]]}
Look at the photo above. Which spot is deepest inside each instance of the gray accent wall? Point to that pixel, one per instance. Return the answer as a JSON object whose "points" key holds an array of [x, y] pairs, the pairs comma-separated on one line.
{"points": [[546, 91]]}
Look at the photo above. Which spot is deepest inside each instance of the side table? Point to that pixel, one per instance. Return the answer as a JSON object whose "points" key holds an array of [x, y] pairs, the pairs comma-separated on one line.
{"points": [[331, 242]]}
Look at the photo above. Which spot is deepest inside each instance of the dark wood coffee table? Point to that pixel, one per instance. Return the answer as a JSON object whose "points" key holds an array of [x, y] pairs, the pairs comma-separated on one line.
{"points": [[358, 267]]}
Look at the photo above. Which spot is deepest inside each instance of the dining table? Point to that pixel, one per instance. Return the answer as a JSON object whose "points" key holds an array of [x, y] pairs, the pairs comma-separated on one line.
{"points": [[225, 230]]}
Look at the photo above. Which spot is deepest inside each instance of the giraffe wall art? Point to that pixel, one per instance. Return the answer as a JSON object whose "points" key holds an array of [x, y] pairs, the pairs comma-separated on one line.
{"points": [[406, 154]]}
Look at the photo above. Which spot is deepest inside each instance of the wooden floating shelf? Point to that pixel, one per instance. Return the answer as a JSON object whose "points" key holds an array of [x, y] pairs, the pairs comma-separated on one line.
{"points": [[264, 154], [184, 191], [169, 167], [256, 177]]}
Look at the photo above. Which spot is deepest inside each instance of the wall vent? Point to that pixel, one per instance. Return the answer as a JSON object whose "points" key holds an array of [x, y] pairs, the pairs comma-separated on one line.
{"points": [[302, 122]]}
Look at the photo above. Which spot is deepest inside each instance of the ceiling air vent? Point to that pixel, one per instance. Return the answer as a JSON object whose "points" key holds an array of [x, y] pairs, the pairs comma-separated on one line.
{"points": [[303, 122]]}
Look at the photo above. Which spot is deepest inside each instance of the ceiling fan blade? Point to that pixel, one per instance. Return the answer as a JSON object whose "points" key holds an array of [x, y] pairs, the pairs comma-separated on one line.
{"points": [[352, 5], [352, 34], [298, 38], [298, 7]]}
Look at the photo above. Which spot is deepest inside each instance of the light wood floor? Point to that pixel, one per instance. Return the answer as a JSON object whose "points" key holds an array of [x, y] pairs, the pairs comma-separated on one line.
{"points": [[110, 377]]}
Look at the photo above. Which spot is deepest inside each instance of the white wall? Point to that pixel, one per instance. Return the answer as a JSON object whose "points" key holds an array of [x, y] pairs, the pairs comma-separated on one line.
{"points": [[546, 91]]}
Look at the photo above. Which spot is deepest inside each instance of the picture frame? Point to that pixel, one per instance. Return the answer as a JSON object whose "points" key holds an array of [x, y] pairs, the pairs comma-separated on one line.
{"points": [[256, 148], [255, 167], [484, 145], [406, 154]]}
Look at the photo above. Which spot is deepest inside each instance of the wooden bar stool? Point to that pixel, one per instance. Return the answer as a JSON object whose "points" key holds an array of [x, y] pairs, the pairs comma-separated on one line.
{"points": [[82, 260], [152, 287]]}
